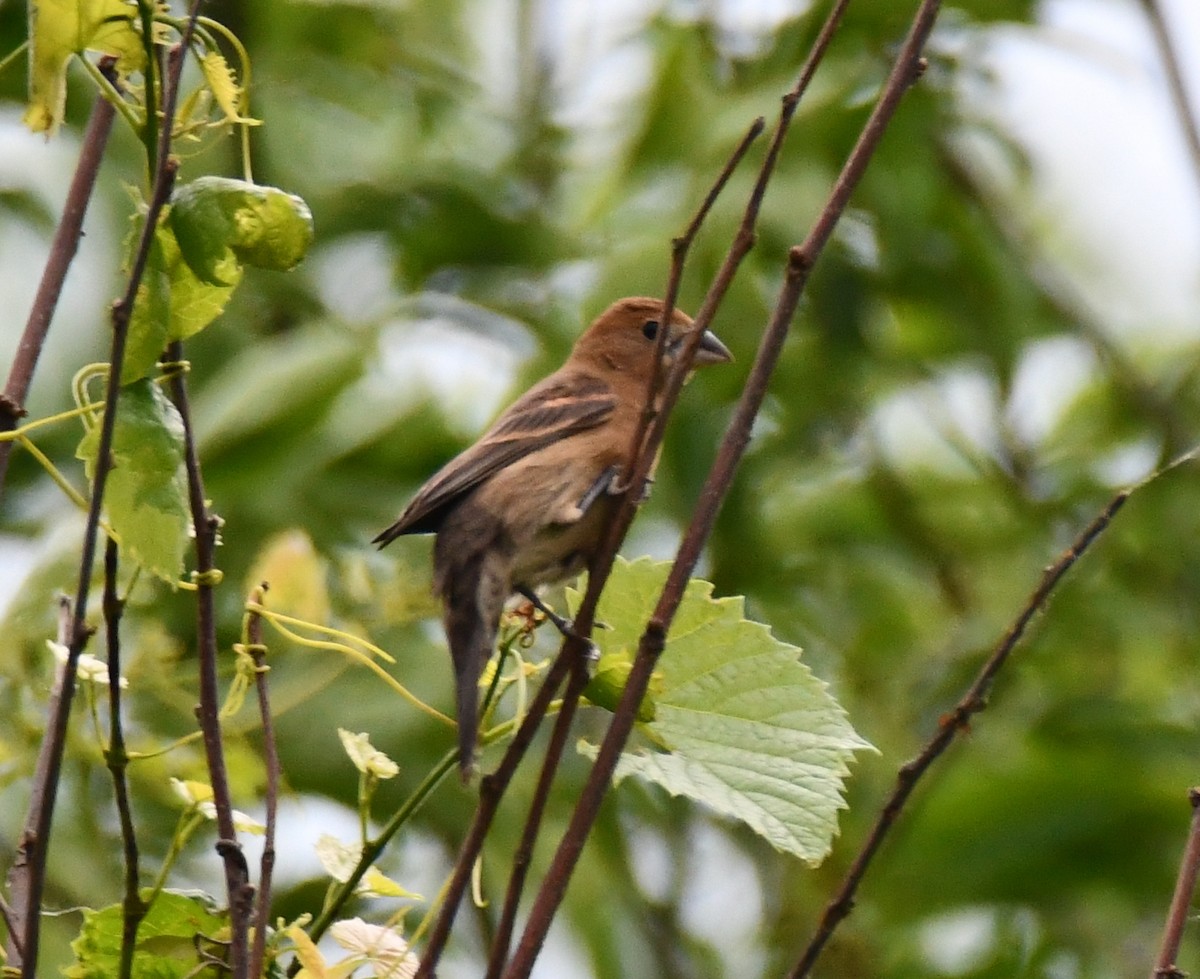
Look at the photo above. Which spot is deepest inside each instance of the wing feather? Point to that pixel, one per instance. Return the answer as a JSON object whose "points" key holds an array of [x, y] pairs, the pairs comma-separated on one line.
{"points": [[547, 412]]}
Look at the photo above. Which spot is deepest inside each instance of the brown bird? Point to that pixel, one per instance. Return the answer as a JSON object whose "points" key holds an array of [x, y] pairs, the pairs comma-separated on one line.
{"points": [[528, 503]]}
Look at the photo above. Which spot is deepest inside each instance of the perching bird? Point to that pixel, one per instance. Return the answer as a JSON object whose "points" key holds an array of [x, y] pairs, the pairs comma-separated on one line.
{"points": [[528, 504]]}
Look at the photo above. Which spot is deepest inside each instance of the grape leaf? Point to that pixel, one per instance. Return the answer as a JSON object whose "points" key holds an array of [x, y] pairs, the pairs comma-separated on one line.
{"points": [[749, 731], [166, 945], [146, 494], [59, 29]]}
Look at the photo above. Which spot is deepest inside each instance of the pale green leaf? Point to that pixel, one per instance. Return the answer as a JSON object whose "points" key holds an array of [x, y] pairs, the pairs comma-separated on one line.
{"points": [[146, 494], [167, 946], [151, 315], [59, 29], [749, 730]]}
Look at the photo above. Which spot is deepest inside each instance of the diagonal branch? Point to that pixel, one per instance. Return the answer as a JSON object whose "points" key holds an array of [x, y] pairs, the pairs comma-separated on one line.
{"points": [[1181, 900], [573, 651], [951, 725], [62, 253], [906, 69]]}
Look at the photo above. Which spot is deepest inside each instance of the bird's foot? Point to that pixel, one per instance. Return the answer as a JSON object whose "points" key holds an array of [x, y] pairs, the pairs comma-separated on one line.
{"points": [[566, 627]]}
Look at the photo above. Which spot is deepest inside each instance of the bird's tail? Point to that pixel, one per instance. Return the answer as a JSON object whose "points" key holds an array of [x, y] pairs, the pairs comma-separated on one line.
{"points": [[473, 595]]}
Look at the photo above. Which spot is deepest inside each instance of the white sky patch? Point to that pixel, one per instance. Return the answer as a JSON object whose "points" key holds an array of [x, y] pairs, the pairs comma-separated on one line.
{"points": [[355, 276], [939, 424], [1114, 199], [469, 375], [1051, 374]]}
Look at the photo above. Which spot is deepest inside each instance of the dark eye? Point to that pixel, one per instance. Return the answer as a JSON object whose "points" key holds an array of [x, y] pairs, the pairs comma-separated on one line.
{"points": [[650, 329]]}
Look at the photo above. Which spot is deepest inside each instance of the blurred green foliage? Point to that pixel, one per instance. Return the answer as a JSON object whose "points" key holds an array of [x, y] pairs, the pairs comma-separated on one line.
{"points": [[484, 178]]}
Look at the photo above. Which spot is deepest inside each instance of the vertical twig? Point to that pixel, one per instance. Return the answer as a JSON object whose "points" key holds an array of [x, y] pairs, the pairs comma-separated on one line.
{"points": [[205, 524], [573, 650], [262, 907], [31, 858], [1181, 901], [62, 252], [133, 908], [800, 262], [491, 790], [22, 876], [502, 940]]}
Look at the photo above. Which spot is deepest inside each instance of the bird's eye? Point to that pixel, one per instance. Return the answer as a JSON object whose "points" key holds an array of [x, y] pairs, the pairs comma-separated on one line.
{"points": [[650, 329]]}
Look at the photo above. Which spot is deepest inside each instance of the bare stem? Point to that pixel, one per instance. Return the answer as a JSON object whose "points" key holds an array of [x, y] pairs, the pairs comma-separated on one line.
{"points": [[133, 907], [491, 789], [800, 262], [1181, 901], [62, 252], [950, 726], [262, 907], [502, 940], [205, 524]]}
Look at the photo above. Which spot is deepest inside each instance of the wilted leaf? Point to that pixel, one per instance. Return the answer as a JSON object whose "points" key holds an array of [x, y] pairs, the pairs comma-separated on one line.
{"points": [[221, 224]]}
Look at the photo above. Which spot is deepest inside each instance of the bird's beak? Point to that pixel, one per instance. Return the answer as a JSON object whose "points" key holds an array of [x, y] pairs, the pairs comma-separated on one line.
{"points": [[711, 351]]}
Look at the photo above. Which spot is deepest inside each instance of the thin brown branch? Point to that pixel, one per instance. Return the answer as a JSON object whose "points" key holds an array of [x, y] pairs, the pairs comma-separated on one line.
{"points": [[491, 789], [648, 442], [62, 252], [205, 525], [951, 726], [133, 908], [46, 780], [23, 877], [573, 650], [1189, 122], [262, 906], [1181, 900], [502, 939], [800, 262]]}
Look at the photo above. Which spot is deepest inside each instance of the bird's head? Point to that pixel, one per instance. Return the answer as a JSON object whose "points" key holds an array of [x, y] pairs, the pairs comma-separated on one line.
{"points": [[625, 336]]}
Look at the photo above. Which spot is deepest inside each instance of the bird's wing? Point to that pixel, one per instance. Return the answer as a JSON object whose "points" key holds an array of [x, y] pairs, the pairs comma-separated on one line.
{"points": [[547, 412]]}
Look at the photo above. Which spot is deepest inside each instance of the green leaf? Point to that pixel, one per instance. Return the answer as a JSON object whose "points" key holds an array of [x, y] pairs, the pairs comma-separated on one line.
{"points": [[146, 494], [61, 28], [750, 731], [166, 941], [150, 318], [194, 303], [172, 303], [221, 224]]}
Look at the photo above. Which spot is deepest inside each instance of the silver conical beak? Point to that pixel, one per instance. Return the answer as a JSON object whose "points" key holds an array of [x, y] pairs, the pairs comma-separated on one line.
{"points": [[711, 351]]}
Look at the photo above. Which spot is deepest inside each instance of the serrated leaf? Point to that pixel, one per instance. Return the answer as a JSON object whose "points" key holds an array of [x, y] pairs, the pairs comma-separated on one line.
{"points": [[750, 731], [59, 29], [151, 315], [172, 303], [221, 224], [146, 494], [166, 946]]}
